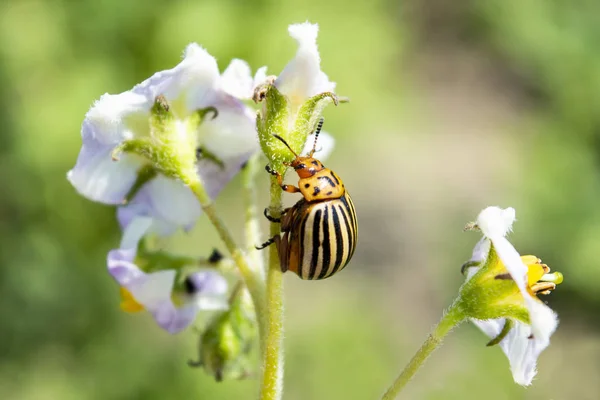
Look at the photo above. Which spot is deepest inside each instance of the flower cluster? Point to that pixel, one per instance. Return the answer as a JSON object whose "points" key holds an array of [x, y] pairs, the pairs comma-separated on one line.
{"points": [[143, 149]]}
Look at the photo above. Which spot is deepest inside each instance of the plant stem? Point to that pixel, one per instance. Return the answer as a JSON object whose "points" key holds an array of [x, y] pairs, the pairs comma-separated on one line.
{"points": [[252, 279], [272, 379], [452, 317]]}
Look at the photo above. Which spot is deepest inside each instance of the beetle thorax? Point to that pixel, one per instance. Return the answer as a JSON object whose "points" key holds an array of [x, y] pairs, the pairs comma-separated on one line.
{"points": [[322, 185]]}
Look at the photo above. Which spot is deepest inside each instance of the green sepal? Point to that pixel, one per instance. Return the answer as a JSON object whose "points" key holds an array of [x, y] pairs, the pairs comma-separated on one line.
{"points": [[167, 150], [508, 325], [228, 339], [198, 117], [163, 157], [310, 112], [161, 117], [484, 296], [152, 261], [202, 152], [145, 174], [275, 120]]}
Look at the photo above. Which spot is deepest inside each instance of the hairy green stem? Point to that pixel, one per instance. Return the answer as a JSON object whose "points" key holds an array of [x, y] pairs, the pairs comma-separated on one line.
{"points": [[272, 379], [253, 280], [452, 317]]}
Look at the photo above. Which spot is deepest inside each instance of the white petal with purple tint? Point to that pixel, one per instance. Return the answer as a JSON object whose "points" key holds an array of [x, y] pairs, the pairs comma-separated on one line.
{"points": [[154, 290], [302, 77]]}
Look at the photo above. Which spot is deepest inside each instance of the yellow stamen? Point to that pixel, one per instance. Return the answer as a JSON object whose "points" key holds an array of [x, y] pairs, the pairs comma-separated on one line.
{"points": [[555, 277], [539, 280], [128, 303]]}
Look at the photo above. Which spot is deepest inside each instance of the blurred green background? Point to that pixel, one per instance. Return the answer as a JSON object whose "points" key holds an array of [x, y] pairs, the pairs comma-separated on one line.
{"points": [[455, 106]]}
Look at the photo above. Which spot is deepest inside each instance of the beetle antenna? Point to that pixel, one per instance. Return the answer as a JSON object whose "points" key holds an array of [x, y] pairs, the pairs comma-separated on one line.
{"points": [[287, 145], [317, 131]]}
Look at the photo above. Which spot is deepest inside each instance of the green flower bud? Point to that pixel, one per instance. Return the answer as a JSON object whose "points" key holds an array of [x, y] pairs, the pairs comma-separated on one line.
{"points": [[227, 341]]}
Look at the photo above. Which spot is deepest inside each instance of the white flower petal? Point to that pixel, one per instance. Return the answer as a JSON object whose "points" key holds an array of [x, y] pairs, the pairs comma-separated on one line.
{"points": [[260, 77], [491, 327], [513, 263], [207, 283], [496, 222], [172, 201], [302, 77], [169, 203], [216, 177], [106, 121], [544, 320], [173, 319], [155, 288], [99, 178], [212, 303], [325, 145], [481, 250], [121, 267], [134, 232], [237, 79], [195, 78], [232, 133], [521, 350]]}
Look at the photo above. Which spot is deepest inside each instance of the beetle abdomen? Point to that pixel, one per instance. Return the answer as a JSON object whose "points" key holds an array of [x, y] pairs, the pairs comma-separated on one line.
{"points": [[325, 233]]}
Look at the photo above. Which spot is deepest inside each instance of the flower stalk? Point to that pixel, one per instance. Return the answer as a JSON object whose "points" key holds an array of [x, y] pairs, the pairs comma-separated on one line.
{"points": [[252, 280], [272, 379], [452, 318]]}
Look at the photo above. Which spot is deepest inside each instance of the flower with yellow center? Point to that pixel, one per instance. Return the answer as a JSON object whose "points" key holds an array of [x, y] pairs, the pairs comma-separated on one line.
{"points": [[500, 294]]}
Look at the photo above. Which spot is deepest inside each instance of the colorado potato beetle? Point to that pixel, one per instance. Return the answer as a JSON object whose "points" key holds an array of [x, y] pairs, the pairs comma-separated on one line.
{"points": [[319, 233]]}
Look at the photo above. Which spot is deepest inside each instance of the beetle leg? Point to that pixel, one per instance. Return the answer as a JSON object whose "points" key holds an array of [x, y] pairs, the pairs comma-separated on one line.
{"points": [[275, 173], [273, 219], [290, 188], [274, 239], [287, 188], [270, 218]]}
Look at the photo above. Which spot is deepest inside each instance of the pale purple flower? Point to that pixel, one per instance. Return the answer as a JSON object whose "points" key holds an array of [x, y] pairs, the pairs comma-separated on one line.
{"points": [[205, 290], [193, 84]]}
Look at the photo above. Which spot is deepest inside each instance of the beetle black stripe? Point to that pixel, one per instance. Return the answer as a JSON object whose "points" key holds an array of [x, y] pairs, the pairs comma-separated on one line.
{"points": [[302, 247], [326, 262], [351, 211], [334, 178], [352, 216], [351, 203], [339, 241], [328, 179], [350, 237], [316, 242]]}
